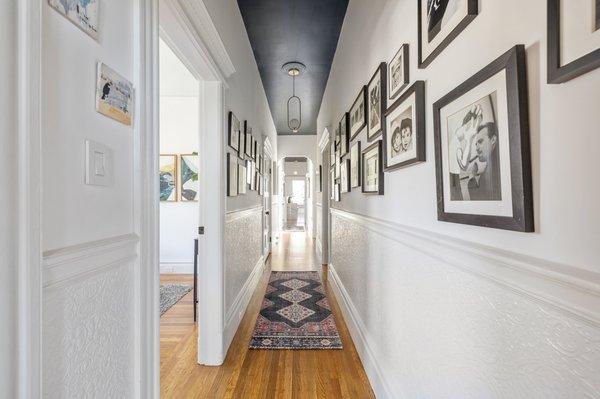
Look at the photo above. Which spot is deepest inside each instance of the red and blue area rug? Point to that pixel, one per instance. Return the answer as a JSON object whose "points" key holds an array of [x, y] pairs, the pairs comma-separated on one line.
{"points": [[295, 314]]}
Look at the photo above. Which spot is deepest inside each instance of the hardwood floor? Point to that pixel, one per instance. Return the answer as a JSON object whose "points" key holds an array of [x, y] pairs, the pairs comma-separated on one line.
{"points": [[250, 373]]}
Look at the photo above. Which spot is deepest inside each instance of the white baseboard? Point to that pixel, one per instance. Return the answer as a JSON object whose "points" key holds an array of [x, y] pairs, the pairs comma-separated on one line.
{"points": [[234, 315], [176, 268], [359, 334]]}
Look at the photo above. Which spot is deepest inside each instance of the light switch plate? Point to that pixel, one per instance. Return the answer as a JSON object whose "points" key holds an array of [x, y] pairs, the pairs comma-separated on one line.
{"points": [[98, 164]]}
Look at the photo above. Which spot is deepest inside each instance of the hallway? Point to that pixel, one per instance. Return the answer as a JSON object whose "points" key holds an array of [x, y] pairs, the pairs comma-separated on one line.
{"points": [[261, 373]]}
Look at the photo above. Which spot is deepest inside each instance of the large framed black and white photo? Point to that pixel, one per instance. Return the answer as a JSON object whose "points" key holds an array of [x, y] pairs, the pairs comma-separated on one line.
{"points": [[344, 134], [377, 102], [355, 173], [404, 136], [398, 73], [358, 113], [232, 175], [482, 152], [439, 23], [573, 38], [233, 132], [372, 173]]}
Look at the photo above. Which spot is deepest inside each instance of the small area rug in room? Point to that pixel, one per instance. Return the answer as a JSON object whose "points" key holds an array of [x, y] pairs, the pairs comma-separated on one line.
{"points": [[295, 314], [170, 294]]}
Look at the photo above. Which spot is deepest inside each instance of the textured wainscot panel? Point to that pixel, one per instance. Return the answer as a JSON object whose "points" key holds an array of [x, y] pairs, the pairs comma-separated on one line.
{"points": [[243, 241], [88, 335], [437, 331]]}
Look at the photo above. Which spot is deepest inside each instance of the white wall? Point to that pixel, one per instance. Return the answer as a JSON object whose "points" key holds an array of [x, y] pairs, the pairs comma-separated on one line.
{"points": [[179, 132], [462, 326], [8, 199]]}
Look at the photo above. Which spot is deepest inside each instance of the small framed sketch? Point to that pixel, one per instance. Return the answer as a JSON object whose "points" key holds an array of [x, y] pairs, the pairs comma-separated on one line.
{"points": [[377, 94], [483, 167], [398, 71], [114, 95], [337, 135], [242, 176], [332, 184], [232, 175], [338, 163], [358, 113], [355, 171], [255, 149], [440, 22], [168, 177], [344, 176], [233, 132], [261, 184], [344, 134], [188, 177], [248, 140], [573, 39], [336, 192], [82, 13], [332, 154], [404, 136], [372, 176]]}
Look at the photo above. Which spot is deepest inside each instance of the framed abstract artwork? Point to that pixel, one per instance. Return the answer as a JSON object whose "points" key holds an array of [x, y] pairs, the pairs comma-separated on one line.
{"points": [[355, 171], [481, 132], [168, 177], [573, 39], [372, 176], [82, 13], [233, 132], [398, 73], [404, 136], [377, 100], [188, 177], [344, 134], [232, 175], [114, 95], [439, 23], [358, 113]]}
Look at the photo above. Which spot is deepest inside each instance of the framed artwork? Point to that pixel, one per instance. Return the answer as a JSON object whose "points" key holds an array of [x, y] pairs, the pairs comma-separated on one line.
{"points": [[254, 149], [573, 39], [344, 134], [232, 175], [332, 154], [247, 140], [82, 13], [188, 177], [355, 155], [338, 162], [332, 184], [250, 178], [320, 179], [242, 176], [114, 95], [358, 113], [398, 73], [372, 176], [337, 135], [404, 136], [440, 22], [336, 192], [168, 177], [233, 132], [483, 167], [377, 95], [344, 178], [260, 184]]}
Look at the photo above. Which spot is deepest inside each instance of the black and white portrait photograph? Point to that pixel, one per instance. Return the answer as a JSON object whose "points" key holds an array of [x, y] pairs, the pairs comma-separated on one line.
{"points": [[397, 75], [232, 175], [372, 177], [344, 134], [355, 165], [440, 22], [233, 135], [358, 113], [573, 39], [483, 169], [404, 136], [377, 96]]}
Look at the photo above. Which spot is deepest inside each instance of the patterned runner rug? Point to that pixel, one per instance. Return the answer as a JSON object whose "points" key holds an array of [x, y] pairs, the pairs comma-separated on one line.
{"points": [[295, 314]]}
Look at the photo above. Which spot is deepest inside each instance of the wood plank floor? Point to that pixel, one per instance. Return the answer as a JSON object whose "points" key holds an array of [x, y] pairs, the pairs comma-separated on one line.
{"points": [[246, 373]]}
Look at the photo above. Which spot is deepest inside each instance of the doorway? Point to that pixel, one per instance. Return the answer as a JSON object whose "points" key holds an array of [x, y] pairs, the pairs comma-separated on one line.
{"points": [[295, 175]]}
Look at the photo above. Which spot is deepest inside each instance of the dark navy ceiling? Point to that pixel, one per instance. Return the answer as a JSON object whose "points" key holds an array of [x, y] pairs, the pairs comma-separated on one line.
{"points": [[306, 31]]}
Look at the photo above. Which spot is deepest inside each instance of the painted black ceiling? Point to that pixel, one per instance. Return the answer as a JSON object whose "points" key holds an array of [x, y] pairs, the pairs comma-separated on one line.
{"points": [[294, 30]]}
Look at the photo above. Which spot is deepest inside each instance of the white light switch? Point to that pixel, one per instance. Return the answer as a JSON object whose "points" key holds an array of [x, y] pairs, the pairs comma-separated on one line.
{"points": [[98, 164]]}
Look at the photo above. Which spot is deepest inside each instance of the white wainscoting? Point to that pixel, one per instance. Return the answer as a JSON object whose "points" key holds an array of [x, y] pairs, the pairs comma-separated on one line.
{"points": [[433, 316], [243, 264], [89, 319]]}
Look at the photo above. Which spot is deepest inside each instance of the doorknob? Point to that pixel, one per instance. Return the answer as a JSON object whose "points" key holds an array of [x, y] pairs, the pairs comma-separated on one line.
{"points": [[267, 213]]}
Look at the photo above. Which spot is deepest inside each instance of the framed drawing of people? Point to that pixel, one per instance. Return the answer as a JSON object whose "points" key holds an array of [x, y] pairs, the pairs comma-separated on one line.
{"points": [[404, 136], [398, 73], [358, 113], [439, 23], [372, 174], [483, 167], [573, 39], [377, 96]]}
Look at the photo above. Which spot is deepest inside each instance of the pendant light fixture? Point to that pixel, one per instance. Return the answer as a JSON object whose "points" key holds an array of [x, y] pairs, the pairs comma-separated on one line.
{"points": [[294, 119]]}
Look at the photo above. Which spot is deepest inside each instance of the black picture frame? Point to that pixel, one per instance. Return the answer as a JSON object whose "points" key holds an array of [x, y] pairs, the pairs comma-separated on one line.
{"points": [[514, 64], [348, 187], [320, 178], [231, 141], [344, 134], [362, 94], [417, 88], [230, 170], [392, 94], [380, 179], [247, 140], [558, 73], [359, 161], [472, 12], [382, 72]]}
